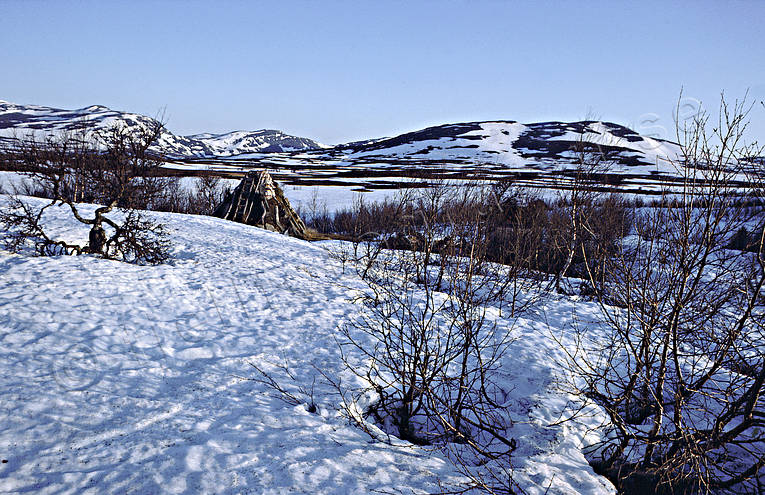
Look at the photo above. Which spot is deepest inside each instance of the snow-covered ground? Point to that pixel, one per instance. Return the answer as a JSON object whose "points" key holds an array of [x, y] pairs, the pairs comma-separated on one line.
{"points": [[491, 143], [116, 378]]}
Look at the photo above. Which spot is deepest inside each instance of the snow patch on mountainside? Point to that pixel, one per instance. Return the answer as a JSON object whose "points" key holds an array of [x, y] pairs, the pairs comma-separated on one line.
{"points": [[664, 154], [510, 146], [499, 138]]}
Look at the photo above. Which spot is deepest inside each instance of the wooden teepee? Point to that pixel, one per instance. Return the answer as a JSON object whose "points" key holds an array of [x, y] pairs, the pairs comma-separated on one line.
{"points": [[258, 200]]}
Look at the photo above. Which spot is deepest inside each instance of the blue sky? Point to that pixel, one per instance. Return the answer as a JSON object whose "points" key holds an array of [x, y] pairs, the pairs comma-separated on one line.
{"points": [[340, 71]]}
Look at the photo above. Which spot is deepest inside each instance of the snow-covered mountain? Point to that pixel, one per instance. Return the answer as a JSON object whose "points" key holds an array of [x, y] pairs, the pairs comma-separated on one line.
{"points": [[263, 141], [512, 145], [19, 120], [494, 145]]}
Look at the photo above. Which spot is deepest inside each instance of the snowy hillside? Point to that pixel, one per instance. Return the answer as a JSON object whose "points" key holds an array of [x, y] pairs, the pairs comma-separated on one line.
{"points": [[116, 378], [513, 145], [539, 155], [19, 120]]}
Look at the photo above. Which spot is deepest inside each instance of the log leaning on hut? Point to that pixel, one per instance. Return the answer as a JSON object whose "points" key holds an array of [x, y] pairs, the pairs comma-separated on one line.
{"points": [[258, 200]]}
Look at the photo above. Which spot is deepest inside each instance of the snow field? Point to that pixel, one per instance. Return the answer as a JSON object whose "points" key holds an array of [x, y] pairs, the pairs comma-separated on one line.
{"points": [[118, 378]]}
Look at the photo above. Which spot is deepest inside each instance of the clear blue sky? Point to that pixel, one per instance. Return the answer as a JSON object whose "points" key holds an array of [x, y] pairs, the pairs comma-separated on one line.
{"points": [[340, 71]]}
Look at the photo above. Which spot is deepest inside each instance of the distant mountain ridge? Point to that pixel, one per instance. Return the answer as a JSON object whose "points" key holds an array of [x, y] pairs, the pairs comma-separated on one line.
{"points": [[504, 143], [18, 120]]}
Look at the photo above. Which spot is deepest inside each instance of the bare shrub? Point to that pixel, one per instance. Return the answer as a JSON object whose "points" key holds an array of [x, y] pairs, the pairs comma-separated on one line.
{"points": [[534, 238], [432, 354], [173, 197], [584, 223], [208, 193]]}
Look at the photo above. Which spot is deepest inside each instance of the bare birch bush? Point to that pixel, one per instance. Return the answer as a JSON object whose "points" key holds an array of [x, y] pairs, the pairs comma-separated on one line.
{"points": [[207, 195], [432, 352]]}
